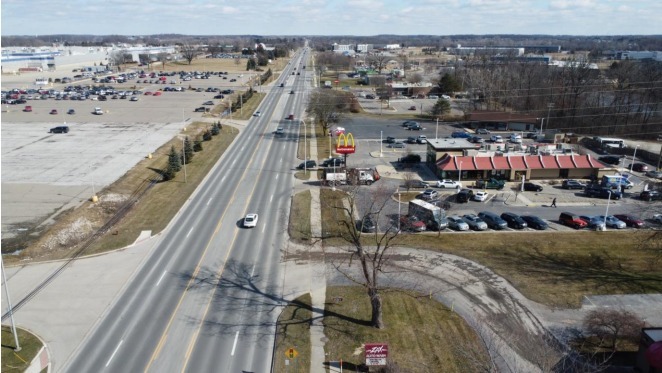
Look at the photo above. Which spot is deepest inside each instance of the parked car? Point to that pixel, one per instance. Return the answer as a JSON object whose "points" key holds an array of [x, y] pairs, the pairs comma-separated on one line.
{"points": [[602, 192], [398, 145], [414, 127], [429, 194], [475, 222], [610, 159], [411, 224], [464, 195], [53, 112], [27, 109], [481, 196], [476, 139], [572, 184], [630, 220], [612, 222], [460, 135], [572, 220], [657, 218], [654, 174], [208, 103], [513, 220], [408, 123], [135, 98], [367, 225], [532, 187], [535, 222], [418, 184], [413, 107], [496, 138], [197, 110], [650, 195], [71, 111], [390, 140], [250, 221], [59, 129], [307, 164], [422, 139], [482, 131], [639, 167], [457, 223], [411, 140], [331, 162], [448, 184], [493, 220], [593, 222]]}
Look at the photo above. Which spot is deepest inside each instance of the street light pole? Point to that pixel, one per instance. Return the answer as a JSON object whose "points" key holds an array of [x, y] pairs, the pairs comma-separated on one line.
{"points": [[459, 174], [633, 157], [607, 210], [436, 132], [184, 156], [381, 141], [549, 108], [305, 143], [399, 211], [11, 310]]}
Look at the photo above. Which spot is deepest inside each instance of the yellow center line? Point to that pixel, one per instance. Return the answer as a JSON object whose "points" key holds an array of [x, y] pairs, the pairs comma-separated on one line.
{"points": [[163, 338]]}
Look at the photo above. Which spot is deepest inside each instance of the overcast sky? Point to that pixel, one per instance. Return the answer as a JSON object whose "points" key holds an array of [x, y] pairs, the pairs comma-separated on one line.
{"points": [[331, 17]]}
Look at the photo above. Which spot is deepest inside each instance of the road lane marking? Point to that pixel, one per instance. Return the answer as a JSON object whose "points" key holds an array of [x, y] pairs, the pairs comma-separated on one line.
{"points": [[277, 175], [209, 202], [235, 161], [234, 345], [271, 199], [189, 232], [114, 352], [160, 278], [223, 178]]}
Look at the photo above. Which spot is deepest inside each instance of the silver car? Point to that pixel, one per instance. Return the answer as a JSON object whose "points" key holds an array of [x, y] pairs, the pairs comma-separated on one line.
{"points": [[474, 222], [612, 221], [457, 223]]}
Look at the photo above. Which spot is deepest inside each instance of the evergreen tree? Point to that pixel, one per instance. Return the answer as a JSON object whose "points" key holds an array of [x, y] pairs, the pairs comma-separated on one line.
{"points": [[188, 150], [448, 84], [441, 107], [173, 164], [197, 145], [207, 135], [215, 130]]}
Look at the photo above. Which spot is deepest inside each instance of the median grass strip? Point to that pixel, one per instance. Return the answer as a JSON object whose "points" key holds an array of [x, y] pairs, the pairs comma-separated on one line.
{"points": [[299, 227], [293, 332], [13, 361], [422, 334]]}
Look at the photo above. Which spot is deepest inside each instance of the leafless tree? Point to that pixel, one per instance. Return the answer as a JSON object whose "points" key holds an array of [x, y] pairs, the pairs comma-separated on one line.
{"points": [[372, 257], [117, 58], [404, 59], [415, 78], [328, 107], [409, 178], [611, 326], [163, 58], [378, 61], [188, 51]]}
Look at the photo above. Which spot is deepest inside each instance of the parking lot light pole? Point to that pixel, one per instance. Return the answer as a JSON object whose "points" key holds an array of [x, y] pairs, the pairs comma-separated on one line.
{"points": [[633, 158], [607, 210], [305, 143], [436, 132], [381, 141], [399, 211]]}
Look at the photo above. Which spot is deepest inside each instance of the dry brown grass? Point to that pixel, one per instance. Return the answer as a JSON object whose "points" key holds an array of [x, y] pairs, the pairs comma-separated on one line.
{"points": [[299, 227], [293, 331]]}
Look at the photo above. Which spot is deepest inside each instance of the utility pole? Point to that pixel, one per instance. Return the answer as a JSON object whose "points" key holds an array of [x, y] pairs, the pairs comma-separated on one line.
{"points": [[11, 310]]}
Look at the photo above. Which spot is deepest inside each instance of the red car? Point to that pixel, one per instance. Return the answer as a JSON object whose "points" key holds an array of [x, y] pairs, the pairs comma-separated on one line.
{"points": [[53, 111], [148, 93], [630, 220], [28, 109], [157, 93]]}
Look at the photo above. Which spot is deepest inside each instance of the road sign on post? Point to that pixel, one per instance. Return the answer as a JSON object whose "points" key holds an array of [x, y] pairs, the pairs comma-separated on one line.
{"points": [[376, 354], [291, 353]]}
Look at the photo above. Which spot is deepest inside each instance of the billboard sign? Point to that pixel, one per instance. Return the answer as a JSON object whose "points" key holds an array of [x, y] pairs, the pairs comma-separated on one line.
{"points": [[345, 144], [376, 354]]}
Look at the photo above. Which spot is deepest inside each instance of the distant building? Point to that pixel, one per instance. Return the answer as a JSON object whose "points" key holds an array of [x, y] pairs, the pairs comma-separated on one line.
{"points": [[503, 121], [486, 51], [339, 48], [638, 55]]}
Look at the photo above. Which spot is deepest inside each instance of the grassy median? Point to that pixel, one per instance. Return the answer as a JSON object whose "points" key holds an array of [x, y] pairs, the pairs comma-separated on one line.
{"points": [[18, 361], [293, 332]]}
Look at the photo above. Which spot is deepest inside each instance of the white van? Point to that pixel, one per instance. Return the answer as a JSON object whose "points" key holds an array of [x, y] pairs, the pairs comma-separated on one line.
{"points": [[98, 111], [516, 138]]}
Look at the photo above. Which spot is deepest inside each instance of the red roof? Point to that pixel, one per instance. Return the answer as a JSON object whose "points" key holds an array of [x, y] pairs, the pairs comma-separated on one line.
{"points": [[446, 163], [565, 161], [466, 165], [533, 161], [548, 161], [483, 163], [500, 163], [517, 162]]}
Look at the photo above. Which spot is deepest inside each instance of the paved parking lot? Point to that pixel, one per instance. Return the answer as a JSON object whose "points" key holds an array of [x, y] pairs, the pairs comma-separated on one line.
{"points": [[44, 173]]}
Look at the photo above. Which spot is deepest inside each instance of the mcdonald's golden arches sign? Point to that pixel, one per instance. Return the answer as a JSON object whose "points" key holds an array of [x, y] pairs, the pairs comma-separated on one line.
{"points": [[345, 144]]}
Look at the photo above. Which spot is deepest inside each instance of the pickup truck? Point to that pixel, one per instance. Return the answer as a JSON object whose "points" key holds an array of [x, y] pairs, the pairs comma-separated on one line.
{"points": [[490, 184]]}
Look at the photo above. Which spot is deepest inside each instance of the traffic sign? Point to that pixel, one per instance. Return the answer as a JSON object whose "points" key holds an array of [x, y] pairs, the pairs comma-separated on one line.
{"points": [[291, 353]]}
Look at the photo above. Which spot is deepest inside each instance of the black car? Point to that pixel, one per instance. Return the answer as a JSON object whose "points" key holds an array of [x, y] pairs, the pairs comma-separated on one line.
{"points": [[610, 159], [493, 220], [601, 192], [367, 225], [200, 109], [535, 222], [650, 195], [513, 220], [464, 195], [331, 162], [59, 129], [307, 164], [390, 140], [531, 187]]}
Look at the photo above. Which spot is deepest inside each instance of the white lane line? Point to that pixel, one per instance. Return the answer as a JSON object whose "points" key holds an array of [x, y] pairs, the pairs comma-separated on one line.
{"points": [[253, 270], [234, 345], [114, 352], [271, 199], [189, 232], [277, 175], [243, 147], [209, 202], [233, 162], [160, 278], [223, 178]]}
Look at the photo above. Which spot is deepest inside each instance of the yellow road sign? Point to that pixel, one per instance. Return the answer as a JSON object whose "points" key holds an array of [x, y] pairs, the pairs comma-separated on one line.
{"points": [[291, 353]]}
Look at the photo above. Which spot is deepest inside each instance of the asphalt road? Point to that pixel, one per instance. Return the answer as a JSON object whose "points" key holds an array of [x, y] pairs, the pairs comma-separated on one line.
{"points": [[208, 296]]}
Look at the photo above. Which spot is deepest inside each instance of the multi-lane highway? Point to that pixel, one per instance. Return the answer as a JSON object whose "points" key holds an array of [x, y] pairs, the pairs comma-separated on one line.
{"points": [[208, 296]]}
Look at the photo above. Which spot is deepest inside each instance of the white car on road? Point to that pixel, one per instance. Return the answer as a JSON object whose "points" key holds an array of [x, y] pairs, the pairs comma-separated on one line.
{"points": [[250, 220], [449, 184]]}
